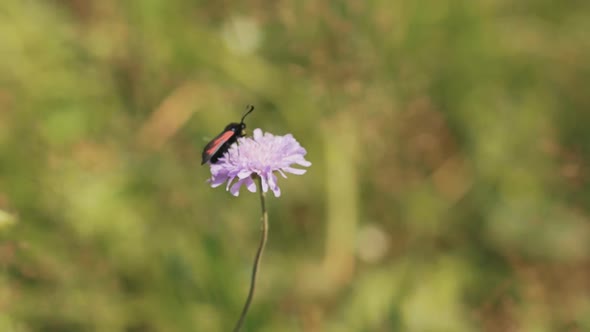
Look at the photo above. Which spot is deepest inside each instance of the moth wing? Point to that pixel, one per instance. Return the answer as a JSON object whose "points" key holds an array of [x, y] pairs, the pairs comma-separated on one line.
{"points": [[214, 146]]}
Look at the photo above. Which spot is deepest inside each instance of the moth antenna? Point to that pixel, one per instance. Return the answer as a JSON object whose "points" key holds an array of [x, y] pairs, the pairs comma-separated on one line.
{"points": [[249, 109]]}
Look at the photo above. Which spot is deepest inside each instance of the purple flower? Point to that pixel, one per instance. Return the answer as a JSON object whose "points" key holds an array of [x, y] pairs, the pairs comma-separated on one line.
{"points": [[261, 155]]}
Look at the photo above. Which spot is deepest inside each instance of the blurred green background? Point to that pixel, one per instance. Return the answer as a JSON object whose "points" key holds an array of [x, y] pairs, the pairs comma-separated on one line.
{"points": [[450, 186]]}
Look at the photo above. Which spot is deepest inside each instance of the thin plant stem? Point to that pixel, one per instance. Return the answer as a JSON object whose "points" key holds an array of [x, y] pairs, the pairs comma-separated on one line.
{"points": [[263, 239]]}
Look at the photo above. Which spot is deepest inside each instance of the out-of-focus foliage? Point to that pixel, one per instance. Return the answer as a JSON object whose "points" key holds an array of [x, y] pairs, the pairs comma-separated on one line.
{"points": [[450, 186]]}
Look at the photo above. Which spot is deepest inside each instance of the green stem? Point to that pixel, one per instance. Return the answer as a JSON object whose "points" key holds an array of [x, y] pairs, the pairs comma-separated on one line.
{"points": [[263, 239]]}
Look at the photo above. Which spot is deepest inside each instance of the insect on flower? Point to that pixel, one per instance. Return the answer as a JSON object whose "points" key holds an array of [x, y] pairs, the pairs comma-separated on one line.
{"points": [[259, 156], [220, 144]]}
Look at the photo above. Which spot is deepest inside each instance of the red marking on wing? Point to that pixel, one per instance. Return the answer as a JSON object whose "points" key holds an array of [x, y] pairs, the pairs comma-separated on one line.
{"points": [[216, 143]]}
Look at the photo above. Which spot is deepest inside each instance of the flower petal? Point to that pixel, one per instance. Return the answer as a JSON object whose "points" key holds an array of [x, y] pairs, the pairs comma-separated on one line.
{"points": [[217, 181], [244, 173], [272, 182], [231, 179], [294, 170], [304, 162], [257, 133], [250, 184], [263, 179], [282, 173], [235, 189]]}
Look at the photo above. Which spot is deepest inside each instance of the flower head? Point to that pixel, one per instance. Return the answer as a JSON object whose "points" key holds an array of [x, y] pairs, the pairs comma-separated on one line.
{"points": [[261, 155]]}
